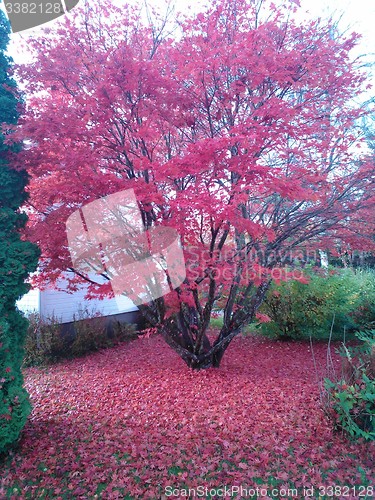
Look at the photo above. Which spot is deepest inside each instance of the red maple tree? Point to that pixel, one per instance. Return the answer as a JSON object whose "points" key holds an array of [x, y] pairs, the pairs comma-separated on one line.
{"points": [[240, 133]]}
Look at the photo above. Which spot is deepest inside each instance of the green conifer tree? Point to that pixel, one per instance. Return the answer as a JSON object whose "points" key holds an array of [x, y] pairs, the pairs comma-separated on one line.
{"points": [[17, 259]]}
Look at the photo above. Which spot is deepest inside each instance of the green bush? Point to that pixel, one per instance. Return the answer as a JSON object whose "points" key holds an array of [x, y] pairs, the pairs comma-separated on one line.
{"points": [[44, 343], [350, 400], [17, 259], [14, 401], [48, 342], [90, 335], [341, 299], [364, 315], [121, 332], [93, 332]]}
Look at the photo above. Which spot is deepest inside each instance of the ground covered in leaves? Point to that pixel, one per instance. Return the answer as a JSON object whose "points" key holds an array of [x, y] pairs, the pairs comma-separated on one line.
{"points": [[134, 422]]}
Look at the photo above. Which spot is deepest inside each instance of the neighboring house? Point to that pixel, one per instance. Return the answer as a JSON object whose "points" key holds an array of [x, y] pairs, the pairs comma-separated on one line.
{"points": [[66, 307]]}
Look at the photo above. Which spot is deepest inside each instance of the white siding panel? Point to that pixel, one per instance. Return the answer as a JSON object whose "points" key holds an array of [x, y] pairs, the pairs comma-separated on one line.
{"points": [[66, 307], [29, 302]]}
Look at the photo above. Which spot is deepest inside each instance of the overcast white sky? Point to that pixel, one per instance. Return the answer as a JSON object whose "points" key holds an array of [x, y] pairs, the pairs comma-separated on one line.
{"points": [[358, 14]]}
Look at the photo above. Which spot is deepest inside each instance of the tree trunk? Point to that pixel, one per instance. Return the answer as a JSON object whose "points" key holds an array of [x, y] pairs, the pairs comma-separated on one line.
{"points": [[196, 349], [209, 358], [218, 356]]}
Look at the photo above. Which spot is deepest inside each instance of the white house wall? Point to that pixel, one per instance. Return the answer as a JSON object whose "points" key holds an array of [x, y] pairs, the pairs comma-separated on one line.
{"points": [[66, 307], [30, 302]]}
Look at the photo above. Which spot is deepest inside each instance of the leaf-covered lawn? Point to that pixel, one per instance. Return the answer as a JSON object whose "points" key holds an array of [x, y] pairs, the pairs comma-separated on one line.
{"points": [[130, 421]]}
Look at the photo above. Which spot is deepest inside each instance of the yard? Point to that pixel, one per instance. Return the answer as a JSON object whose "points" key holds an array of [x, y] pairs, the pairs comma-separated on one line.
{"points": [[135, 422]]}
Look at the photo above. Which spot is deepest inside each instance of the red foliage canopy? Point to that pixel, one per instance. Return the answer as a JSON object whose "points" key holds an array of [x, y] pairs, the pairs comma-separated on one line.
{"points": [[239, 133]]}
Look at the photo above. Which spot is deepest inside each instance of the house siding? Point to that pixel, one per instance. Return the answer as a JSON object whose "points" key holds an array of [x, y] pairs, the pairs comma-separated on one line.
{"points": [[66, 307]]}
